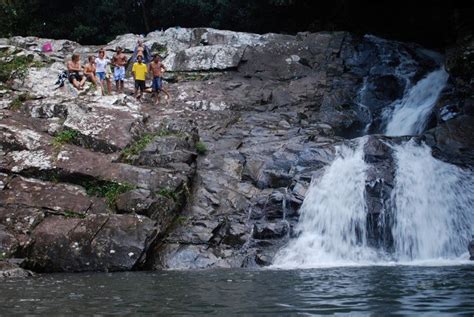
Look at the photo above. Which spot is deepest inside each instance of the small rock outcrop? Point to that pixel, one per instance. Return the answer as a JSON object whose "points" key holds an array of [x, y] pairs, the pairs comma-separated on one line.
{"points": [[10, 270]]}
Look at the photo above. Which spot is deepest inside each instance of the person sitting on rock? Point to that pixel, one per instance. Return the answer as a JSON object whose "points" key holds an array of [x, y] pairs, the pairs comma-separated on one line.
{"points": [[90, 70], [156, 68], [74, 69], [119, 60], [102, 67], [139, 71], [143, 51]]}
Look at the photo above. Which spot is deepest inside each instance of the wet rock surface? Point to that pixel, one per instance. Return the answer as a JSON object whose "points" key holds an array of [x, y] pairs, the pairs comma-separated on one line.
{"points": [[214, 177], [11, 270]]}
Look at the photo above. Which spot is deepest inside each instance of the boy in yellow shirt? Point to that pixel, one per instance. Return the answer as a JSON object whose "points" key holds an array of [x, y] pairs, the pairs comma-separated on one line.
{"points": [[139, 72]]}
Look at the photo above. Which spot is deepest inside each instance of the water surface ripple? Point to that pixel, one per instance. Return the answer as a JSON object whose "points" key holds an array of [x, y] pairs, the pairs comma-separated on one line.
{"points": [[372, 290]]}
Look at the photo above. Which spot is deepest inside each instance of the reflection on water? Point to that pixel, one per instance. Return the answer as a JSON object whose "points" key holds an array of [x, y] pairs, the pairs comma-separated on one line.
{"points": [[379, 290]]}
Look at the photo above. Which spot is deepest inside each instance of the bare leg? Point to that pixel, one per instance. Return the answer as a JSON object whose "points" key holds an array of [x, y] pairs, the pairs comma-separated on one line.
{"points": [[109, 86], [76, 84], [83, 81], [121, 86], [101, 83], [166, 93], [117, 84]]}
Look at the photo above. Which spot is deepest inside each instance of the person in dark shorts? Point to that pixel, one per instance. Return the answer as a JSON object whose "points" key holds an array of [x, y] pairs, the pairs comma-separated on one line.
{"points": [[156, 68], [139, 71], [75, 75]]}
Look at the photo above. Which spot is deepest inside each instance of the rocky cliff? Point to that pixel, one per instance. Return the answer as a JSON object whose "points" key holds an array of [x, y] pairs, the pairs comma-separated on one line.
{"points": [[214, 178]]}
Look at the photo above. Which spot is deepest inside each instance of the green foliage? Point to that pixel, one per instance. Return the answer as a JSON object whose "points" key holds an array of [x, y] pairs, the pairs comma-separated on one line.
{"points": [[98, 22], [139, 145], [72, 214], [135, 148], [167, 193], [14, 66], [109, 190], [201, 148], [181, 220], [18, 101], [63, 137]]}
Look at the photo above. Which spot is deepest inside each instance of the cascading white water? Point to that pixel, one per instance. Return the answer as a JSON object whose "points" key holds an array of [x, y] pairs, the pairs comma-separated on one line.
{"points": [[434, 204], [431, 205], [332, 225], [409, 114], [433, 208]]}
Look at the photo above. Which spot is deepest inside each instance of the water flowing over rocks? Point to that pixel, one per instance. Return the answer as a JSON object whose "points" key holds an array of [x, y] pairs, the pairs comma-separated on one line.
{"points": [[91, 183]]}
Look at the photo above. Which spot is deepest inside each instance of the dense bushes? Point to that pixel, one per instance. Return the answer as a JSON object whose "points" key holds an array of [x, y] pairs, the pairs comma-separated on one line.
{"points": [[94, 22]]}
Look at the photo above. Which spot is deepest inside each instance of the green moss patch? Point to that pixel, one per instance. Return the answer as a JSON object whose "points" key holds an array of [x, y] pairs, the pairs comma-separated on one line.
{"points": [[13, 66], [109, 190], [201, 148], [63, 137]]}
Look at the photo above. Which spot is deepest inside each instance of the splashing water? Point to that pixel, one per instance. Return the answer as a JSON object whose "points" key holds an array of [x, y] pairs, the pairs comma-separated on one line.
{"points": [[433, 208], [410, 114], [434, 204], [332, 225]]}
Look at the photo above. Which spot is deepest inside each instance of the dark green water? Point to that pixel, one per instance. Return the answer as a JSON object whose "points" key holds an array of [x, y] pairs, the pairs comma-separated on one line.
{"points": [[396, 290]]}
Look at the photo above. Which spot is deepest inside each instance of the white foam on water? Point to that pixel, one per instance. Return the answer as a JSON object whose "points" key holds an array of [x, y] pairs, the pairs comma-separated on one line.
{"points": [[433, 209], [332, 225]]}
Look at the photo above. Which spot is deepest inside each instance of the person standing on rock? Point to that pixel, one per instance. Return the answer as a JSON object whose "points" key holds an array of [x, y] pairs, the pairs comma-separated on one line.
{"points": [[156, 68], [143, 51], [74, 69], [102, 64], [119, 60], [139, 71], [90, 70]]}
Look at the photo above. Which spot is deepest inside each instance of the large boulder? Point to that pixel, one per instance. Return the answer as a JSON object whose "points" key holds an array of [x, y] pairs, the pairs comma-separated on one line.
{"points": [[453, 141], [201, 58], [95, 243]]}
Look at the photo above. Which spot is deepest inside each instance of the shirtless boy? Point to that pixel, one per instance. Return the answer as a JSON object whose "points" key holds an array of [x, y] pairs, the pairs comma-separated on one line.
{"points": [[156, 68], [119, 60], [140, 49], [90, 70], [74, 69], [143, 51]]}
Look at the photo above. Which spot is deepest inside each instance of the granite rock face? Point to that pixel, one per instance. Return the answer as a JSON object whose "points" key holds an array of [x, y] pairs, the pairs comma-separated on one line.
{"points": [[215, 176]]}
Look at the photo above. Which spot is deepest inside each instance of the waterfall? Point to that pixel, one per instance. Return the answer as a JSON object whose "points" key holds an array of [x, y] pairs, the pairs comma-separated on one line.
{"points": [[409, 115], [429, 215], [332, 226], [434, 203]]}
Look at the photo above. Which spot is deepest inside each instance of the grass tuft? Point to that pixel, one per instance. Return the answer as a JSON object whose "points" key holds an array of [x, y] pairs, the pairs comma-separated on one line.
{"points": [[63, 137], [12, 66], [167, 193], [139, 145], [201, 148], [72, 214], [18, 101], [110, 191], [135, 148]]}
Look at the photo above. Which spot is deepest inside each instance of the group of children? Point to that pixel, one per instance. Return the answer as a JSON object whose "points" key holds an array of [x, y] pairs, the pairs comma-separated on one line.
{"points": [[97, 70]]}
